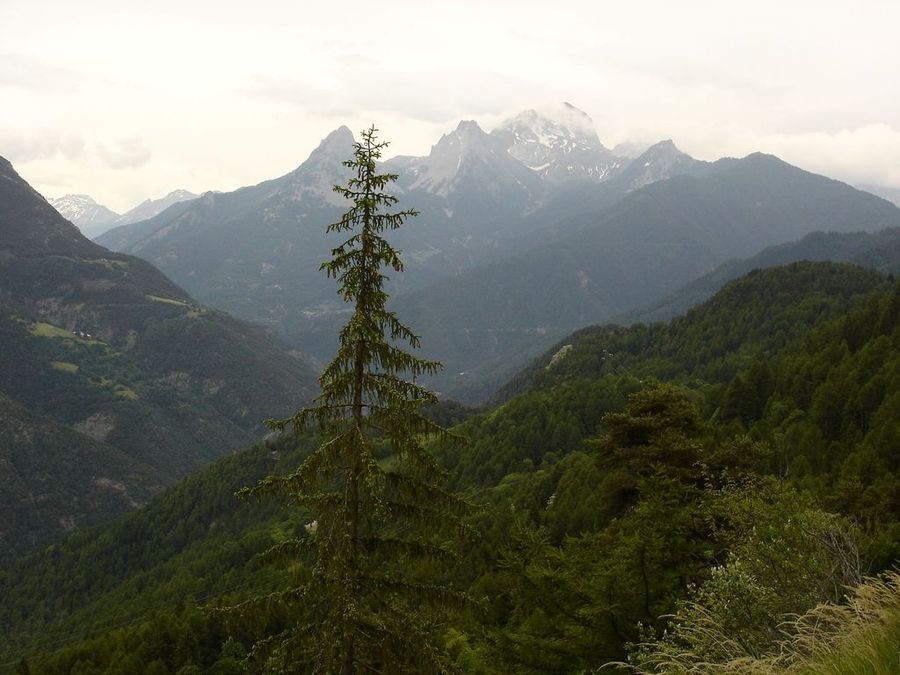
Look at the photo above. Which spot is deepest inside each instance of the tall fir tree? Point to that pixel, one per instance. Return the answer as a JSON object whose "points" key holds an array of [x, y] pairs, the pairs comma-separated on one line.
{"points": [[378, 514]]}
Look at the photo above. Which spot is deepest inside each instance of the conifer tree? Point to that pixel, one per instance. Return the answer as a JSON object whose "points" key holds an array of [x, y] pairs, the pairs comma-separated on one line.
{"points": [[378, 515]]}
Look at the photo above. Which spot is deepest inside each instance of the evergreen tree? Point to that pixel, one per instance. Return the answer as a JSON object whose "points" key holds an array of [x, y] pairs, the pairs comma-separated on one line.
{"points": [[378, 514]]}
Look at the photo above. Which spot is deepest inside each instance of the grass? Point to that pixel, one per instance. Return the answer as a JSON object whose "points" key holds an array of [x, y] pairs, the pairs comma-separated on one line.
{"points": [[64, 366], [167, 301], [50, 331], [47, 330], [110, 264], [861, 637], [126, 393]]}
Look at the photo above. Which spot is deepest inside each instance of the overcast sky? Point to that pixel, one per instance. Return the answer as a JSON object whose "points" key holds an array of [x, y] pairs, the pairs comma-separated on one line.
{"points": [[125, 100]]}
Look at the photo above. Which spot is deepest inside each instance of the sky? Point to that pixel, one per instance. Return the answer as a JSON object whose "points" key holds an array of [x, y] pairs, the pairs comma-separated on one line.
{"points": [[125, 100]]}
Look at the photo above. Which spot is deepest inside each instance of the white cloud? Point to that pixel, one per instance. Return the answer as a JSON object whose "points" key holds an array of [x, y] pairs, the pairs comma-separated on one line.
{"points": [[19, 146], [125, 153], [868, 154], [214, 95]]}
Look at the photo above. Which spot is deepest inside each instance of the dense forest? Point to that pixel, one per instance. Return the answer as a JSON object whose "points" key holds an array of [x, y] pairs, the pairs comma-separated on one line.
{"points": [[733, 468]]}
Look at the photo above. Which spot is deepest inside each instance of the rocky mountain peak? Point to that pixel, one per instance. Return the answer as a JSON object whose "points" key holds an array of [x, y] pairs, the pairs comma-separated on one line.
{"points": [[338, 143], [558, 142], [451, 156], [322, 169], [5, 165], [466, 138], [180, 195], [84, 211], [660, 161]]}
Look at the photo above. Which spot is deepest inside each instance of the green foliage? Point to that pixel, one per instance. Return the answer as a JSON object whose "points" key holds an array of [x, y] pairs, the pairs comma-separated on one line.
{"points": [[575, 604], [372, 491], [784, 556], [608, 502], [194, 541]]}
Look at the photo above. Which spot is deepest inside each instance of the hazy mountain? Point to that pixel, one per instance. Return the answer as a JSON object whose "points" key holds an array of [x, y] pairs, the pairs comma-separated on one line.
{"points": [[94, 219], [560, 145], [256, 251], [657, 238], [468, 164], [658, 162], [892, 194], [879, 250], [113, 380], [90, 217], [579, 198], [150, 207], [507, 253]]}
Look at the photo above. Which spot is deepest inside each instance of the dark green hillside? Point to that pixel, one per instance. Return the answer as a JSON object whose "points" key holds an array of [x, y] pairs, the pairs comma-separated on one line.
{"points": [[559, 399], [565, 522], [101, 480], [117, 367], [829, 404], [194, 541]]}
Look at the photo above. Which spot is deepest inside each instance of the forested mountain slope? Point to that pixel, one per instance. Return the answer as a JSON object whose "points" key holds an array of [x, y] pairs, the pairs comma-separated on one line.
{"points": [[128, 383], [554, 508]]}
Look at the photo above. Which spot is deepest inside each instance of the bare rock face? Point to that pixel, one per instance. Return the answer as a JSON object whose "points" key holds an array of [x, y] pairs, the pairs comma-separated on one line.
{"points": [[559, 144], [98, 426]]}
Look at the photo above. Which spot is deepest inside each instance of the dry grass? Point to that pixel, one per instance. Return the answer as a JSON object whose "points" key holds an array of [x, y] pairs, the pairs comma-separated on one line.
{"points": [[859, 637]]}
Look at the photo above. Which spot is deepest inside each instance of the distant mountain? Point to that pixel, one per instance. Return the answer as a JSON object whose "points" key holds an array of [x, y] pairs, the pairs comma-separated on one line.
{"points": [[256, 251], [879, 250], [584, 199], [90, 217], [596, 266], [892, 194], [560, 145], [470, 164], [151, 207], [94, 219], [660, 161], [507, 253], [113, 380]]}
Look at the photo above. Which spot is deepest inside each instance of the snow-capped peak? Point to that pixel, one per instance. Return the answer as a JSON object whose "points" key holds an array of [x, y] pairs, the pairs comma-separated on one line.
{"points": [[152, 207], [559, 142], [83, 211]]}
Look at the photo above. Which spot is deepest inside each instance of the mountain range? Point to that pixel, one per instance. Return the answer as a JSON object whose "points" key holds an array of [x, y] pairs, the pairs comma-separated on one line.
{"points": [[114, 381], [524, 233], [94, 219]]}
